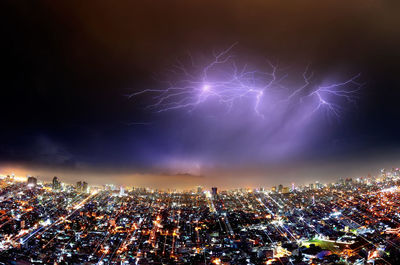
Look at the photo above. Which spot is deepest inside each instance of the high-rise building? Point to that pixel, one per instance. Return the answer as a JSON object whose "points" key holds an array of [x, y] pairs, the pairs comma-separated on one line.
{"points": [[121, 191], [85, 187], [318, 185], [32, 181], [79, 186], [9, 179], [341, 181], [348, 181], [56, 184], [214, 191], [82, 186], [280, 188]]}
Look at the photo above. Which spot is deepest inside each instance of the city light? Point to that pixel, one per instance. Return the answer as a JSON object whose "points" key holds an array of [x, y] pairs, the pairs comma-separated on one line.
{"points": [[144, 225]]}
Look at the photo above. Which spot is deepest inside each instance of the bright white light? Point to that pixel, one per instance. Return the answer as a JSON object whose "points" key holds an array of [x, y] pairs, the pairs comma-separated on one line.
{"points": [[206, 88]]}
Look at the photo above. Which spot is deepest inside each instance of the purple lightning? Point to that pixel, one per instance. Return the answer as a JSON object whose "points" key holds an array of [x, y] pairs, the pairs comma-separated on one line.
{"points": [[221, 79]]}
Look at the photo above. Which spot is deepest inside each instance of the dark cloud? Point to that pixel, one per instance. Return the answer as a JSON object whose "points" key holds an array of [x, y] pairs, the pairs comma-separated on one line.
{"points": [[67, 66]]}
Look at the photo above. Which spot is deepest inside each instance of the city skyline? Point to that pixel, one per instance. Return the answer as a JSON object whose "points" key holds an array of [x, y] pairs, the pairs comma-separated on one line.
{"points": [[182, 182], [349, 221], [200, 132]]}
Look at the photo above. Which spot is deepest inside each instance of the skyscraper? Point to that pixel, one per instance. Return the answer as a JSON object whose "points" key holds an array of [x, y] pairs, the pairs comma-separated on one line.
{"points": [[56, 184], [121, 191], [32, 181], [82, 186], [85, 187], [79, 186], [214, 191]]}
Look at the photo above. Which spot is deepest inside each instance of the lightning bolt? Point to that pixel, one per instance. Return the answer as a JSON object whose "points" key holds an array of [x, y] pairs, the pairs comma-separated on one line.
{"points": [[223, 80]]}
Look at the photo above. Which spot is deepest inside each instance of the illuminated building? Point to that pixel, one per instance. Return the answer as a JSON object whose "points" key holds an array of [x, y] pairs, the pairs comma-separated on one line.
{"points": [[82, 186], [79, 186], [85, 187], [56, 185], [121, 191]]}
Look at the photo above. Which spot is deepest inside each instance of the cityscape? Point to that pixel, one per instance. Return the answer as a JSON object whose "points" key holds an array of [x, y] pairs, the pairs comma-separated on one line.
{"points": [[201, 132], [350, 221]]}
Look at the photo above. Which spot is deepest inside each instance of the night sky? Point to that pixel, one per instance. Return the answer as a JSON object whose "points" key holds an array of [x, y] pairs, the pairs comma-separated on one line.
{"points": [[68, 66]]}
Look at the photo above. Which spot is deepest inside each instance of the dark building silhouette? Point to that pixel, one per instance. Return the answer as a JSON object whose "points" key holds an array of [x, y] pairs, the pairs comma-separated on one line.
{"points": [[214, 191], [32, 181]]}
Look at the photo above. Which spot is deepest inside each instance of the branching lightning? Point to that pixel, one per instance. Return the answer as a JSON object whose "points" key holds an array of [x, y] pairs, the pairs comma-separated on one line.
{"points": [[222, 80]]}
